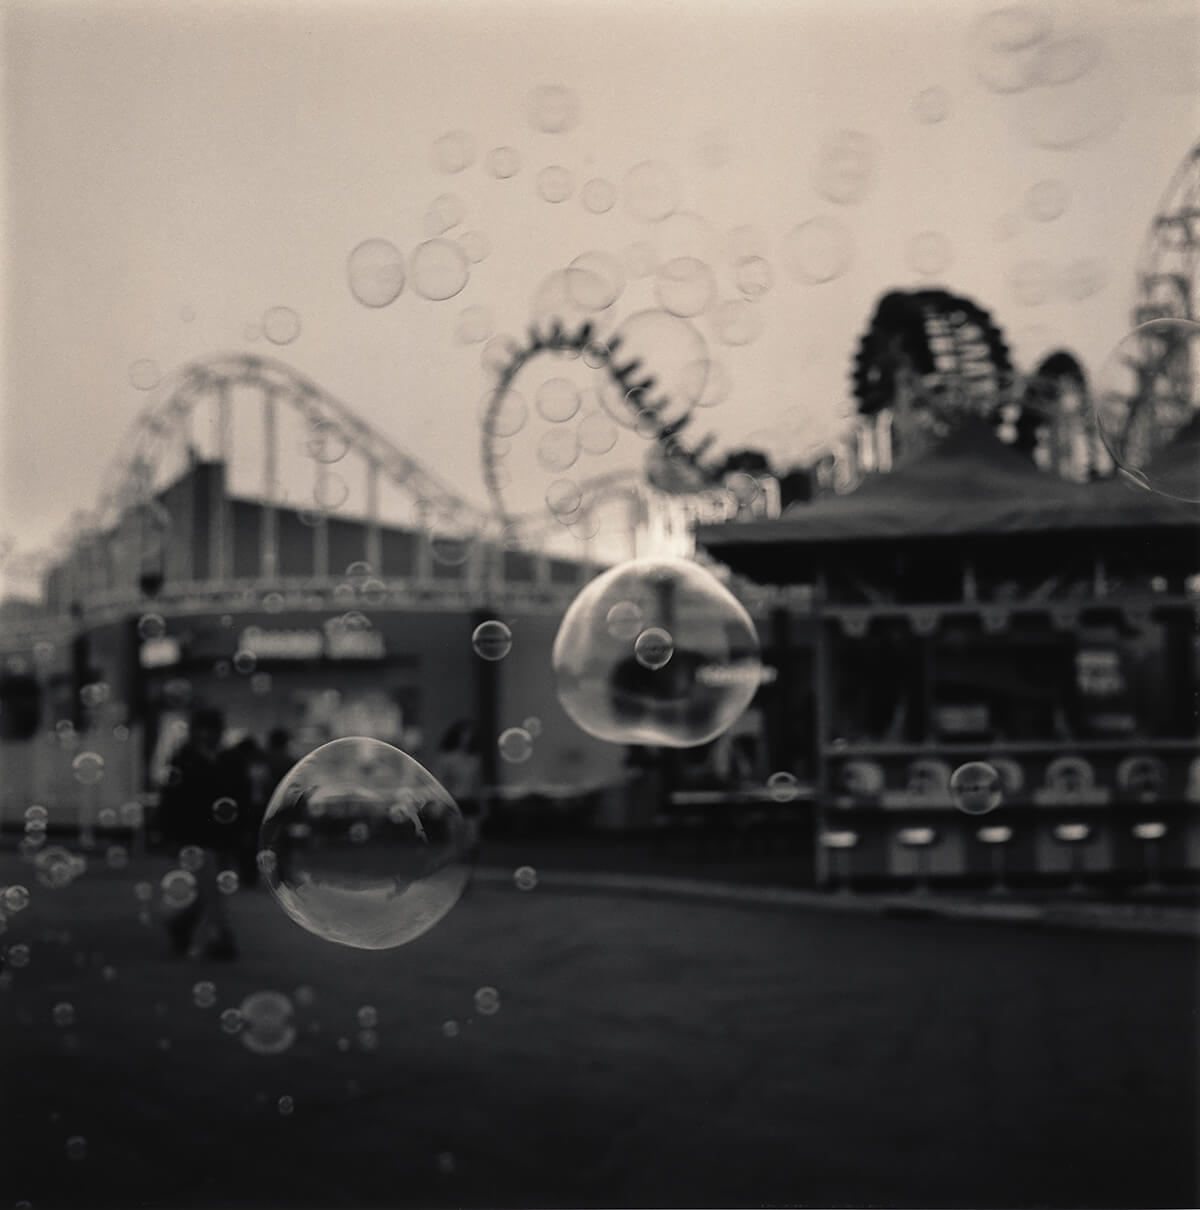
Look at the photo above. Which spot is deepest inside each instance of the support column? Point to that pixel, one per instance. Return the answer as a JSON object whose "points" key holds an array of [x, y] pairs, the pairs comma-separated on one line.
{"points": [[374, 535], [269, 533]]}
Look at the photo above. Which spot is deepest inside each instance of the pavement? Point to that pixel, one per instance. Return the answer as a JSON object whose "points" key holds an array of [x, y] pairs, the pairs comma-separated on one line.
{"points": [[669, 1029]]}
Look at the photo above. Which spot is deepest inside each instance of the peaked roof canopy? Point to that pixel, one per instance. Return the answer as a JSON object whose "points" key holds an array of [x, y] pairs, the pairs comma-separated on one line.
{"points": [[971, 485]]}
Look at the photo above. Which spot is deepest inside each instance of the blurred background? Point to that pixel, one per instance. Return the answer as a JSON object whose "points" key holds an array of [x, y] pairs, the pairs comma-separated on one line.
{"points": [[346, 345]]}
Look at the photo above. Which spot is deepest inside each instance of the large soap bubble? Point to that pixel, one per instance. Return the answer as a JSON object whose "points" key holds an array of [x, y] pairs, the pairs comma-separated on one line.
{"points": [[613, 692], [1148, 407], [363, 846]]}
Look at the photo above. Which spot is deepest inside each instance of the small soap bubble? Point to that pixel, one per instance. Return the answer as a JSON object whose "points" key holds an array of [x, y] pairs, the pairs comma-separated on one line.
{"points": [[552, 108], [18, 955], [1046, 201], [445, 211], [598, 195], [204, 994], [281, 325], [305, 996], [445, 1163], [144, 374], [503, 162], [63, 1014], [191, 857], [77, 1147], [930, 253], [267, 1020], [650, 191], [533, 725], [475, 325], [1030, 282], [753, 276], [685, 286], [287, 1106], [88, 768], [178, 888], [736, 322], [36, 818], [492, 640], [931, 105], [375, 271], [782, 786], [108, 973], [558, 449], [845, 168], [225, 810], [439, 269], [56, 867], [654, 647], [454, 151], [419, 845], [976, 788], [597, 433], [816, 251], [116, 857], [367, 1016], [232, 1021], [359, 832], [228, 882], [515, 745], [343, 1044], [624, 620], [555, 184], [143, 892], [557, 400], [563, 497], [525, 878], [487, 1001], [450, 1029], [711, 674], [15, 898]]}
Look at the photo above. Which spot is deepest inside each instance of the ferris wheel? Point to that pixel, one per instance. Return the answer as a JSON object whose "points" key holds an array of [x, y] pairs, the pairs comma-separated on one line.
{"points": [[1167, 280]]}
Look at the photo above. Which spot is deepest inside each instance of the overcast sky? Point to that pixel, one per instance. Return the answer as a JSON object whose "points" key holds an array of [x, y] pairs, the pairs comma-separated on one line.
{"points": [[173, 171]]}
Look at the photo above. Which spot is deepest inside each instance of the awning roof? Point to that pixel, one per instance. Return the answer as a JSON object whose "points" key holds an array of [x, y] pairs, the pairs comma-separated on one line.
{"points": [[971, 485]]}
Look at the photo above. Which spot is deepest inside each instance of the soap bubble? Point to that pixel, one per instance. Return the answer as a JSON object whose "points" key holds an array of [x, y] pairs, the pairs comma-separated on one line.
{"points": [[976, 788], [475, 325], [492, 640], [15, 898], [191, 857], [685, 286], [782, 786], [1046, 200], [710, 678], [88, 768], [439, 269], [753, 276], [475, 246], [204, 994], [232, 1021], [287, 1106], [63, 1014], [598, 195], [144, 374], [228, 882], [653, 648], [555, 184], [503, 162], [737, 322], [371, 896], [281, 325], [56, 867], [375, 270], [650, 191], [597, 433], [224, 810], [930, 253], [552, 108], [624, 620], [449, 1029], [594, 281], [445, 211], [846, 167], [1030, 282], [1148, 407], [557, 400], [516, 745], [525, 878], [178, 888], [453, 151], [266, 1023], [77, 1147], [558, 449], [816, 251], [487, 1001], [931, 105]]}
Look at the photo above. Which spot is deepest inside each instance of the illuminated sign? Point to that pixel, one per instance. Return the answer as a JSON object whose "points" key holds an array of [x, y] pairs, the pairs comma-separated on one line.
{"points": [[335, 642], [159, 653]]}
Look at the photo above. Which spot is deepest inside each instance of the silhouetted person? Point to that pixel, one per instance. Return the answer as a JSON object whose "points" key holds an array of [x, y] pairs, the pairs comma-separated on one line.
{"points": [[459, 768], [250, 772], [200, 808]]}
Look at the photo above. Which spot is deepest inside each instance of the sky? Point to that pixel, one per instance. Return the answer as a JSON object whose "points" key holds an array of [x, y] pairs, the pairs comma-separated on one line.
{"points": [[172, 172]]}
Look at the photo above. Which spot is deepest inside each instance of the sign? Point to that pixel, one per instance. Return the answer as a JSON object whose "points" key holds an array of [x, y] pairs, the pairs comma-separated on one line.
{"points": [[159, 653], [336, 641]]}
